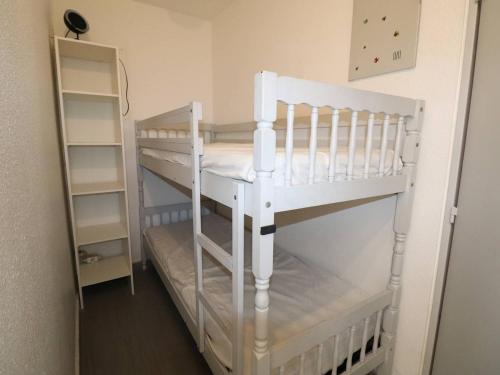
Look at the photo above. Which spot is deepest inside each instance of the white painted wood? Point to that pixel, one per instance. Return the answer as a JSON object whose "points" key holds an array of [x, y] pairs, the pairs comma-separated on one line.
{"points": [[287, 198], [335, 363], [364, 339], [289, 145], [313, 143], [397, 146], [333, 145], [286, 350], [87, 95], [376, 336], [263, 198], [168, 120], [179, 145], [238, 276], [301, 196], [92, 139], [216, 251], [368, 144], [104, 270], [352, 145], [97, 188], [172, 171], [401, 227], [142, 215], [318, 94], [350, 350], [319, 365], [265, 103], [212, 310], [383, 145], [193, 111], [100, 233], [372, 362]]}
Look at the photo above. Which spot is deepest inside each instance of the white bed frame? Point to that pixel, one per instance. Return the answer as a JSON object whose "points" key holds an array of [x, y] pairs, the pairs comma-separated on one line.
{"points": [[180, 131]]}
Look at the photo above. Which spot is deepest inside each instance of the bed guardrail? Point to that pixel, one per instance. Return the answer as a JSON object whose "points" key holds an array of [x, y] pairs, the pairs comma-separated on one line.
{"points": [[328, 335]]}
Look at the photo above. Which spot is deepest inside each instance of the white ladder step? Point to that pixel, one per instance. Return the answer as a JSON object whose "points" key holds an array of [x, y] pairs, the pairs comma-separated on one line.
{"points": [[208, 306], [216, 251]]}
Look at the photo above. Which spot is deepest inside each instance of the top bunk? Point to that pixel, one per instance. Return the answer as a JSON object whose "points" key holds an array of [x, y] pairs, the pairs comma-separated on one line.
{"points": [[310, 144]]}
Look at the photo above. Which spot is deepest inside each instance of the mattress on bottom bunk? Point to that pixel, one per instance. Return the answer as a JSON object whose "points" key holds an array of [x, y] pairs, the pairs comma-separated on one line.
{"points": [[301, 295], [235, 160]]}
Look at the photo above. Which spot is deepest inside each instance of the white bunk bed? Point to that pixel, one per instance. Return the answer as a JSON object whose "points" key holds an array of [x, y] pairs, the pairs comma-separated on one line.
{"points": [[273, 174]]}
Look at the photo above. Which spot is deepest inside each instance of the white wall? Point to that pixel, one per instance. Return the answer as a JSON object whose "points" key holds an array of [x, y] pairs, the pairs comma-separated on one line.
{"points": [[37, 294], [169, 63], [312, 40]]}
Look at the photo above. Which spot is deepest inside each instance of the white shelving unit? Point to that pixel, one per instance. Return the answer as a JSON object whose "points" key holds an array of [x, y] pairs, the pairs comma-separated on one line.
{"points": [[92, 140]]}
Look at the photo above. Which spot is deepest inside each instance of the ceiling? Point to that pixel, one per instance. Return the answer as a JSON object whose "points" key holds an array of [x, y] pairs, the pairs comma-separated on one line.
{"points": [[205, 9]]}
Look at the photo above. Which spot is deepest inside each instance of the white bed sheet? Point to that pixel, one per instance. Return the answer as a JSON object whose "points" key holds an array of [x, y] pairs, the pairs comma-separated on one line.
{"points": [[235, 160], [301, 295]]}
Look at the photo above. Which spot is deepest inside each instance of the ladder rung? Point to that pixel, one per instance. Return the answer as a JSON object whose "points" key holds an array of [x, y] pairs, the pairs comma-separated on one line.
{"points": [[207, 305], [216, 251]]}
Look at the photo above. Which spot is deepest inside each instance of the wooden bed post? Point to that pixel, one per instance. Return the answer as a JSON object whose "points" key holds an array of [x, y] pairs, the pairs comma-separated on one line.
{"points": [[196, 115], [263, 228], [401, 227], [140, 184]]}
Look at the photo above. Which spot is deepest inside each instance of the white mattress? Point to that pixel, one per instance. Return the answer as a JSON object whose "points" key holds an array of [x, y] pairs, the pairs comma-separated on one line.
{"points": [[235, 160], [301, 295]]}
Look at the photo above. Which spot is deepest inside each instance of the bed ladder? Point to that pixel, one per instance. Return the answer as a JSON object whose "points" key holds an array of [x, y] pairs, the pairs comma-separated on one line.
{"points": [[235, 265], [234, 262]]}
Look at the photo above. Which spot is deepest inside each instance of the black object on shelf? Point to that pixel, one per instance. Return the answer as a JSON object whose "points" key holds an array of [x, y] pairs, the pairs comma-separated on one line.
{"points": [[75, 22]]}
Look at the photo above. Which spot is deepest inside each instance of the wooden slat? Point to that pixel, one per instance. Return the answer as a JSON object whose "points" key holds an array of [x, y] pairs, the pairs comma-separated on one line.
{"points": [[301, 196], [397, 146], [320, 360], [288, 349], [369, 144], [238, 276], [289, 146], [383, 145], [377, 331], [319, 94], [302, 360], [168, 120], [333, 145], [180, 145], [350, 350], [194, 115], [172, 171], [335, 365], [216, 251], [352, 145], [313, 143], [364, 340]]}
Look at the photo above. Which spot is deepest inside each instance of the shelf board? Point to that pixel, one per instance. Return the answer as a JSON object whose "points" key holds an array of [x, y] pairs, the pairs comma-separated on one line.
{"points": [[87, 95], [100, 233], [104, 270], [93, 144], [80, 49], [97, 188]]}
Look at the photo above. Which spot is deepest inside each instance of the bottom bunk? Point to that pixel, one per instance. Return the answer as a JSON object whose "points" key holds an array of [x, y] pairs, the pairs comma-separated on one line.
{"points": [[302, 297]]}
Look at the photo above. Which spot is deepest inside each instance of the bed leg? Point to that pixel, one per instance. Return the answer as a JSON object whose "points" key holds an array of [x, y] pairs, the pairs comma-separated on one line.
{"points": [[265, 104], [401, 226], [262, 265]]}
